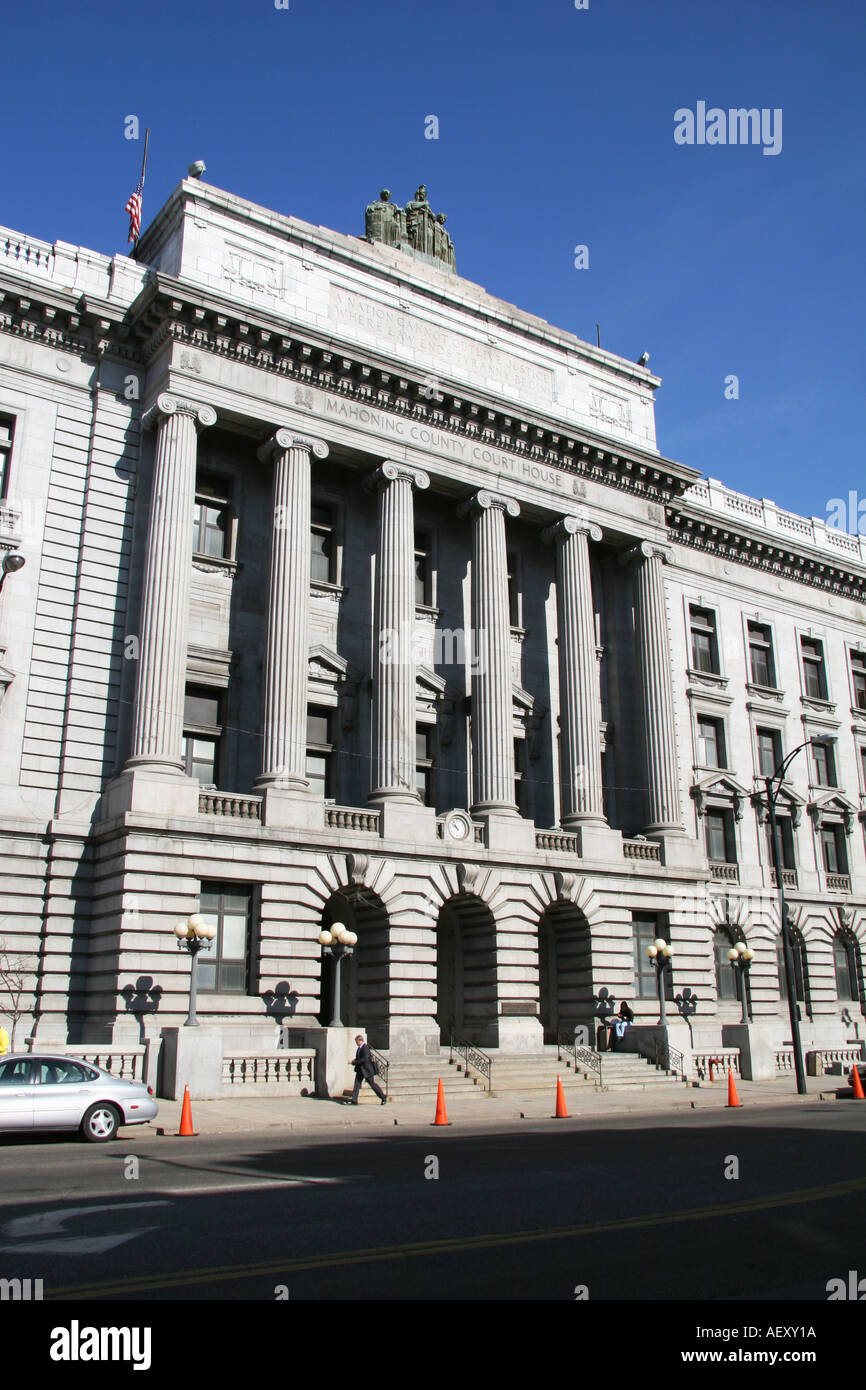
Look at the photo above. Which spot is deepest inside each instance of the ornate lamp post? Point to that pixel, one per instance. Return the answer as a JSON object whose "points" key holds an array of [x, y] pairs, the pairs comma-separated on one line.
{"points": [[337, 942], [660, 953], [774, 787], [741, 957], [194, 935]]}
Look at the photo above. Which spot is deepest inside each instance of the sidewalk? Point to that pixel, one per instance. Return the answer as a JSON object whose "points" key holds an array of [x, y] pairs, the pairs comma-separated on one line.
{"points": [[298, 1113]]}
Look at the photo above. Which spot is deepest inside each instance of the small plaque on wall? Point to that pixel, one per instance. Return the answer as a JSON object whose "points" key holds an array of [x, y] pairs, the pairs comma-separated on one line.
{"points": [[519, 1009]]}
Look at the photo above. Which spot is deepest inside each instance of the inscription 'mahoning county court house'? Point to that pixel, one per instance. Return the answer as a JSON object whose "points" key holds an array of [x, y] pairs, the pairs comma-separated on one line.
{"points": [[235, 467]]}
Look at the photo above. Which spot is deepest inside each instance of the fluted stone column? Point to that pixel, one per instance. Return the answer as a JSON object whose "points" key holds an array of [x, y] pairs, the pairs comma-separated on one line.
{"points": [[157, 737], [656, 691], [579, 700], [393, 767], [492, 700], [284, 722]]}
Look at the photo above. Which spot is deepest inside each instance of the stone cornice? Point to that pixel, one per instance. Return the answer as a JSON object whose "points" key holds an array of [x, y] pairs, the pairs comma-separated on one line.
{"points": [[66, 322]]}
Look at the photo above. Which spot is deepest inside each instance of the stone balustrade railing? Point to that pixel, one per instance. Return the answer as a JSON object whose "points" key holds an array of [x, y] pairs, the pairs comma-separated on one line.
{"points": [[729, 872], [838, 883], [226, 804], [789, 878], [352, 818], [126, 1063], [722, 1058], [282, 1070], [642, 849], [10, 525], [814, 531], [557, 841]]}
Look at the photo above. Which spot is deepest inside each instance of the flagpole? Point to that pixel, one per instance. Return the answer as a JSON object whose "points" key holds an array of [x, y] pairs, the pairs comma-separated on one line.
{"points": [[143, 172]]}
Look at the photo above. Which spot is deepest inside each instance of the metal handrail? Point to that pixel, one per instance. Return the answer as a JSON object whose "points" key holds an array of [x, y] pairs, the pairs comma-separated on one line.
{"points": [[382, 1065], [584, 1055], [662, 1055], [473, 1057]]}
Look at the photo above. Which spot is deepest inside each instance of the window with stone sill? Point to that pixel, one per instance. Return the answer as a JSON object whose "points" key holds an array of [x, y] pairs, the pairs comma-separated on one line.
{"points": [[211, 523], [719, 834], [201, 734], [769, 745], [761, 663], [863, 765], [726, 977], [786, 839], [225, 967], [7, 431], [515, 594], [858, 678], [711, 742], [834, 851], [648, 927], [704, 640], [847, 964], [424, 762], [814, 674], [801, 971], [323, 544], [423, 570], [824, 764], [520, 788], [320, 751]]}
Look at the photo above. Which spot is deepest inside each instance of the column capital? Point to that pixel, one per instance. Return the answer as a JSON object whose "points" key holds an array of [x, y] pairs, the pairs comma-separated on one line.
{"points": [[485, 500], [167, 404], [390, 471], [283, 439], [572, 525], [647, 550]]}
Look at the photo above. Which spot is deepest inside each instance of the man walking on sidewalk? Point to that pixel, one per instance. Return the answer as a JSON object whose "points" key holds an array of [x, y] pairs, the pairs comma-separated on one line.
{"points": [[365, 1071]]}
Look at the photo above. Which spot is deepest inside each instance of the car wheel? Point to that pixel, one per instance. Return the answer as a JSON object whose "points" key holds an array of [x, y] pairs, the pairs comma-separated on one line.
{"points": [[100, 1124]]}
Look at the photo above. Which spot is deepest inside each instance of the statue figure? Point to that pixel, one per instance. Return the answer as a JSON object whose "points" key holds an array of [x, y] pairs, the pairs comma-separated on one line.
{"points": [[443, 248], [420, 222], [385, 221]]}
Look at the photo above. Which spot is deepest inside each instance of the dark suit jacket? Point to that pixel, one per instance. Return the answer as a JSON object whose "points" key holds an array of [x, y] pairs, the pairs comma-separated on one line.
{"points": [[364, 1062]]}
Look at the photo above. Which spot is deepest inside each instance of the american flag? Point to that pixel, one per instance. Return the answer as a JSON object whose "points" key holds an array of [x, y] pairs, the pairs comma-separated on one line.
{"points": [[133, 207]]}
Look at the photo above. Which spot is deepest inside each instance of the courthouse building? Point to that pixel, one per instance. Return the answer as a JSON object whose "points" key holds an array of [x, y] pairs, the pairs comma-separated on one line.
{"points": [[354, 594]]}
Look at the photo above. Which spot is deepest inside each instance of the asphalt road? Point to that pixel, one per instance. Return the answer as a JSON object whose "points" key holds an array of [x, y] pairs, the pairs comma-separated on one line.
{"points": [[627, 1208]]}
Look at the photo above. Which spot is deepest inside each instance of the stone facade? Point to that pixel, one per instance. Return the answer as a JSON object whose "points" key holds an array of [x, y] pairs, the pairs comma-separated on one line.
{"points": [[386, 549]]}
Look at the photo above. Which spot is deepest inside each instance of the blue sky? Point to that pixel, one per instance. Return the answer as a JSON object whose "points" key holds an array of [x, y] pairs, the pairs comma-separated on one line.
{"points": [[556, 129]]}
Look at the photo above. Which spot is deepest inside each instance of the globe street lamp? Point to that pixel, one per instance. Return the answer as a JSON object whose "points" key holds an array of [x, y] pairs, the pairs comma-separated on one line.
{"points": [[336, 941], [741, 957], [773, 784], [660, 953], [194, 935]]}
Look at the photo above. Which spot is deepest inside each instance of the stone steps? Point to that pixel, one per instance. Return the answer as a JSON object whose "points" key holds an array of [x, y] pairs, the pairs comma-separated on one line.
{"points": [[520, 1074]]}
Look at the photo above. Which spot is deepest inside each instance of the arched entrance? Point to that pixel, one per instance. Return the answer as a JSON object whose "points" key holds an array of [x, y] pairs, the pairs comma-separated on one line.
{"points": [[365, 975], [564, 970], [466, 1000]]}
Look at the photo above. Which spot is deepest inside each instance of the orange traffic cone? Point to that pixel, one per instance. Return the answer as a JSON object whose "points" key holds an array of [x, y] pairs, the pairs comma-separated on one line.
{"points": [[186, 1130], [857, 1084], [561, 1112], [441, 1114], [733, 1098]]}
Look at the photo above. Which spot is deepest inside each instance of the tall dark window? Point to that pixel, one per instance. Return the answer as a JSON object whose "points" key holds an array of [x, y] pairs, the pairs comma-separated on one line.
{"points": [[647, 928], [711, 742], [201, 734], [320, 751], [863, 763], [520, 774], [726, 978], [705, 646], [769, 743], [786, 837], [211, 529], [7, 429], [323, 550], [423, 570], [225, 967], [761, 662], [424, 739], [814, 675], [845, 961], [515, 606], [824, 763], [720, 840], [858, 674], [801, 970], [833, 849]]}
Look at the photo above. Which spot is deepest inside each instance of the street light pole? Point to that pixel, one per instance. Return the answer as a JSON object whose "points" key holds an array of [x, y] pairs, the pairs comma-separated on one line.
{"points": [[337, 943], [774, 787], [194, 935], [660, 954]]}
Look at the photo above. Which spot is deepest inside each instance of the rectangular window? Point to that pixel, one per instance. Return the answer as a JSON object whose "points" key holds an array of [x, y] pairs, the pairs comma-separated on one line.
{"points": [[7, 429], [711, 742], [202, 727], [320, 751], [761, 662], [824, 763], [424, 763], [863, 764], [814, 676], [225, 967], [720, 836], [211, 528], [833, 849], [786, 837], [515, 605], [423, 571], [705, 648], [520, 774], [769, 743], [323, 551], [646, 929], [858, 673]]}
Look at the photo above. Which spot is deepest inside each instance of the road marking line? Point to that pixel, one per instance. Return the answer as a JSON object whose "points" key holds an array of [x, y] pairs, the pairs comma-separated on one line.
{"points": [[219, 1274]]}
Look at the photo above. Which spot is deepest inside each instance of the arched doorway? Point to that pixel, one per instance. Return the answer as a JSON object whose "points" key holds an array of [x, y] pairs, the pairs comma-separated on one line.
{"points": [[466, 998], [365, 975], [564, 970]]}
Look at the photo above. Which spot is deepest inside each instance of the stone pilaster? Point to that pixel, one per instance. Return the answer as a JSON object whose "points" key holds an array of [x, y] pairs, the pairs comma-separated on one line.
{"points": [[579, 700], [393, 765], [656, 691], [284, 724], [157, 736], [492, 700]]}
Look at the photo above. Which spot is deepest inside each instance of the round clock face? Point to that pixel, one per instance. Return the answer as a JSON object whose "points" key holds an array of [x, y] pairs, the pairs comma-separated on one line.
{"points": [[458, 827]]}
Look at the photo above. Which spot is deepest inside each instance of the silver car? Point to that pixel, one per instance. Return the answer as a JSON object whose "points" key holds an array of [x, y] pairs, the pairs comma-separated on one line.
{"points": [[54, 1092]]}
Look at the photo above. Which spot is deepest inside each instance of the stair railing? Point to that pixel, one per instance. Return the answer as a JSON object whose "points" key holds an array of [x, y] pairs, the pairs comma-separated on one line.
{"points": [[473, 1057], [662, 1055], [381, 1064], [583, 1056]]}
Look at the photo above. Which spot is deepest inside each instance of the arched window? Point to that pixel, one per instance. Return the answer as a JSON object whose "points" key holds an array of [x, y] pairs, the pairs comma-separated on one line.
{"points": [[846, 962], [801, 970], [726, 979]]}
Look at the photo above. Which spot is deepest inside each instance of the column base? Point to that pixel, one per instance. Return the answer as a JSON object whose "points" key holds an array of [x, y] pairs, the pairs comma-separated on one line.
{"points": [[507, 832], [408, 820], [151, 791], [597, 840], [192, 1057], [681, 852], [757, 1049], [286, 809]]}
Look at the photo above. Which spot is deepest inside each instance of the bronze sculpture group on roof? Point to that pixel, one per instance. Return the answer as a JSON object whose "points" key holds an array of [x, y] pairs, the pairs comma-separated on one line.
{"points": [[415, 228]]}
